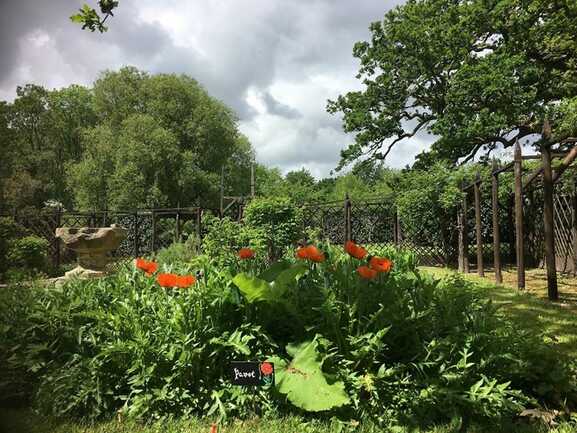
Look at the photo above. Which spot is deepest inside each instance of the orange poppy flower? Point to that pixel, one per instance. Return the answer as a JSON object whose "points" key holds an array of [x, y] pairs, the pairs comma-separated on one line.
{"points": [[311, 253], [380, 264], [185, 281], [366, 272], [173, 280], [355, 250], [167, 280], [245, 253], [146, 266], [301, 253]]}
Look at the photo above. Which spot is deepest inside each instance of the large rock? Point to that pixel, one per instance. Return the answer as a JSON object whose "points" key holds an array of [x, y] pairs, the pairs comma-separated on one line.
{"points": [[91, 246]]}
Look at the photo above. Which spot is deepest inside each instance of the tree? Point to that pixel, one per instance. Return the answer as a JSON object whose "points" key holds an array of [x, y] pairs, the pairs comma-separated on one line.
{"points": [[475, 74], [90, 19]]}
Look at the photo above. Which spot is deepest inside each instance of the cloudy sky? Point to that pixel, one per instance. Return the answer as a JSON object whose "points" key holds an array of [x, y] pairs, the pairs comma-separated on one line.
{"points": [[275, 62]]}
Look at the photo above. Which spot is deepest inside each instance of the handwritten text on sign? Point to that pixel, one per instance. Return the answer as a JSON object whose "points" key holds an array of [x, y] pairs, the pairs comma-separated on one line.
{"points": [[252, 373]]}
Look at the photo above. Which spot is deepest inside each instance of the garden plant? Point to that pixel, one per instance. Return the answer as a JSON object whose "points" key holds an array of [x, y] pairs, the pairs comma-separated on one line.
{"points": [[353, 334]]}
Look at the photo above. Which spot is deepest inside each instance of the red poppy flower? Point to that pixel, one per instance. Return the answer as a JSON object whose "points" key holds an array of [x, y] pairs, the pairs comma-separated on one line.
{"points": [[317, 257], [245, 253], [380, 264], [146, 266], [266, 368], [366, 272], [355, 250]]}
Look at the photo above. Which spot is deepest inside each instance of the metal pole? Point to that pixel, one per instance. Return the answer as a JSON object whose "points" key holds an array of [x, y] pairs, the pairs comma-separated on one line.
{"points": [[252, 184], [153, 240], [222, 192], [518, 164], [496, 232]]}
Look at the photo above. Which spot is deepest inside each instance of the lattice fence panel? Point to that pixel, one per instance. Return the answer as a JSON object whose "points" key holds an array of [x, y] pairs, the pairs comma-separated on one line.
{"points": [[373, 223], [328, 219]]}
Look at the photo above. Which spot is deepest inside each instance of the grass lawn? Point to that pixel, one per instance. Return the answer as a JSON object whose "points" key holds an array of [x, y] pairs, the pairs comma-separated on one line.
{"points": [[20, 421], [558, 321]]}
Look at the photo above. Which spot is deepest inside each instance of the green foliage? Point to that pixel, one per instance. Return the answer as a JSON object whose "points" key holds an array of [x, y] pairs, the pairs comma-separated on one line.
{"points": [[9, 232], [403, 348], [90, 19], [277, 220], [179, 251], [303, 381], [28, 252]]}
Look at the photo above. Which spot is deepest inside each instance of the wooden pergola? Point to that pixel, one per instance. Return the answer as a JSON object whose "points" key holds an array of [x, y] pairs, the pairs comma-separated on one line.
{"points": [[548, 177]]}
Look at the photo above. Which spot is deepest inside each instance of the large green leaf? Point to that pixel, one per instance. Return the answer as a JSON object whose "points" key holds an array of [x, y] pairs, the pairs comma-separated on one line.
{"points": [[303, 381], [256, 289]]}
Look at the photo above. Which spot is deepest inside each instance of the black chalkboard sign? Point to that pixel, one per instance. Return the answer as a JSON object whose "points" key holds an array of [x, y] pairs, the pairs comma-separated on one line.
{"points": [[252, 373]]}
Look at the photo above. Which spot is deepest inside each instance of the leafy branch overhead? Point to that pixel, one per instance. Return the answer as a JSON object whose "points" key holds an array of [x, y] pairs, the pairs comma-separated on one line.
{"points": [[90, 19], [473, 74]]}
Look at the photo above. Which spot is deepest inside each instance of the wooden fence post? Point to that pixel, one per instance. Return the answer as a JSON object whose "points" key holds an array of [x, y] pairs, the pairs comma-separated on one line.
{"points": [[153, 224], [476, 187], [549, 222], [135, 230], [519, 253], [199, 222], [496, 231], [395, 227], [348, 234], [56, 257], [177, 228]]}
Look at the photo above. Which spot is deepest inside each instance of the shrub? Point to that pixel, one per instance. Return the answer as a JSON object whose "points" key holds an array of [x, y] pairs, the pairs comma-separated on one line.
{"points": [[224, 237], [28, 252], [9, 231], [277, 220], [180, 251]]}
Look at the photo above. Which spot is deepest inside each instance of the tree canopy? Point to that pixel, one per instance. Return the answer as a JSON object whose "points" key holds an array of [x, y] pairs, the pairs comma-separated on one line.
{"points": [[132, 140], [476, 74]]}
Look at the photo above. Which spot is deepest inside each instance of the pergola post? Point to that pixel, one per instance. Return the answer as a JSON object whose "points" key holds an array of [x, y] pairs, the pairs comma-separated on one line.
{"points": [[496, 231], [518, 164], [549, 222], [464, 236], [476, 188]]}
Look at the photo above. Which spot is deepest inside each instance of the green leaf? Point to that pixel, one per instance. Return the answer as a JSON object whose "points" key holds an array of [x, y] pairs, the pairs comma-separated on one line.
{"points": [[256, 289], [303, 381]]}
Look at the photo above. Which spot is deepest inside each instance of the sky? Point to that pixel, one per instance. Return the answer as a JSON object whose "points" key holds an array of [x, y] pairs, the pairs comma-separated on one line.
{"points": [[275, 62]]}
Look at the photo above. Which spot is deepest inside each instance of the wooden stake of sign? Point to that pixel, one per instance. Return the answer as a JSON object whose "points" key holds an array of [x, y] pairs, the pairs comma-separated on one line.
{"points": [[549, 221], [518, 164], [496, 234], [480, 268]]}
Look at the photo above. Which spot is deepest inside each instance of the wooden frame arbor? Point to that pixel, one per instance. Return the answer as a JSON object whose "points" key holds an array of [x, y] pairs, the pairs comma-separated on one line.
{"points": [[549, 177]]}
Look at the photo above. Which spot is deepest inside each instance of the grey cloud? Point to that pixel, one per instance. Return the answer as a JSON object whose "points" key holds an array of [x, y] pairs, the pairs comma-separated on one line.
{"points": [[276, 107]]}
